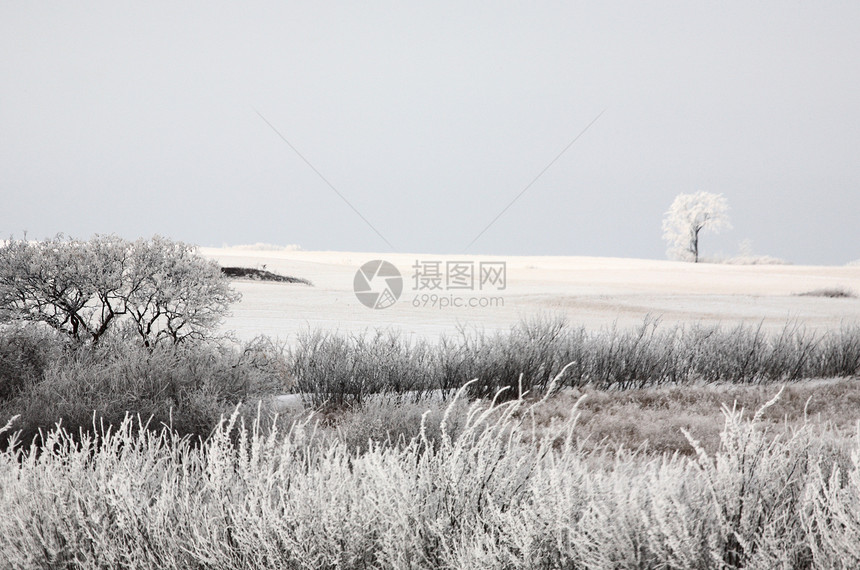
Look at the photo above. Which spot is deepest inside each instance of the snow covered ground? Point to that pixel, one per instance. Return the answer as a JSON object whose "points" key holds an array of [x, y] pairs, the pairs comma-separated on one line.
{"points": [[588, 290]]}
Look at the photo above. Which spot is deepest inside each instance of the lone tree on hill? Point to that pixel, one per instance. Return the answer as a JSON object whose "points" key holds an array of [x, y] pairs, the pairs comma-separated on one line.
{"points": [[162, 289], [688, 215]]}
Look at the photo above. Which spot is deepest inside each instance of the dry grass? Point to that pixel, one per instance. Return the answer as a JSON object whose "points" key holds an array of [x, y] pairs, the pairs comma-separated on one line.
{"points": [[653, 419]]}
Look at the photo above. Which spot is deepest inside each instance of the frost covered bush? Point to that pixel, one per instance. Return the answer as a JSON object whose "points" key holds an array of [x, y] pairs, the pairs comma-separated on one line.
{"points": [[186, 387], [341, 370], [25, 354]]}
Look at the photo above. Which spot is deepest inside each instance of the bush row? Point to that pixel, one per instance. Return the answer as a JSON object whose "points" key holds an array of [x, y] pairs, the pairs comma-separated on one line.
{"points": [[343, 368]]}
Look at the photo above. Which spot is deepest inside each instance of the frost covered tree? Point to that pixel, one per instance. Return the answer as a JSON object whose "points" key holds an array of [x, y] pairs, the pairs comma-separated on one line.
{"points": [[688, 216], [163, 288], [177, 294]]}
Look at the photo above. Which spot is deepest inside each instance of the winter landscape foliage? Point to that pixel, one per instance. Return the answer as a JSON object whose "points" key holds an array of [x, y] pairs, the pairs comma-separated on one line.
{"points": [[465, 485], [134, 437]]}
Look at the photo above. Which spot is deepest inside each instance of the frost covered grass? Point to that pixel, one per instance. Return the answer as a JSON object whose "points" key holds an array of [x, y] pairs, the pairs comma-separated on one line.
{"points": [[342, 369], [496, 492]]}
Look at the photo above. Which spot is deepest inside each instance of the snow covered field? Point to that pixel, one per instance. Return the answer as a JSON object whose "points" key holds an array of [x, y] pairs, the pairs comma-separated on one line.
{"points": [[588, 290]]}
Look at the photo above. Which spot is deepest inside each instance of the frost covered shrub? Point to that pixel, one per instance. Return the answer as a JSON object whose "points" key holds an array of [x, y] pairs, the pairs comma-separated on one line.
{"points": [[755, 485], [341, 370], [832, 519], [628, 359], [25, 354], [187, 388], [839, 353]]}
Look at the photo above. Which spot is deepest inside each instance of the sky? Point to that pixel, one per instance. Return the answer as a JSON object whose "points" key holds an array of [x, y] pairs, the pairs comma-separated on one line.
{"points": [[410, 126]]}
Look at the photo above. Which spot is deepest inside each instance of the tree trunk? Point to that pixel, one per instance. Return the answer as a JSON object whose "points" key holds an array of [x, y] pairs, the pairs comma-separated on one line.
{"points": [[695, 245]]}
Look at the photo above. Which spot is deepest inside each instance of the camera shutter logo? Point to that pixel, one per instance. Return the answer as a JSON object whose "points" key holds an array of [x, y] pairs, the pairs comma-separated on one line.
{"points": [[378, 284]]}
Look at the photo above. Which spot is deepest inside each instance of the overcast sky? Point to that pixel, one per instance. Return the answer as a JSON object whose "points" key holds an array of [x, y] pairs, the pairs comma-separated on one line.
{"points": [[429, 118]]}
